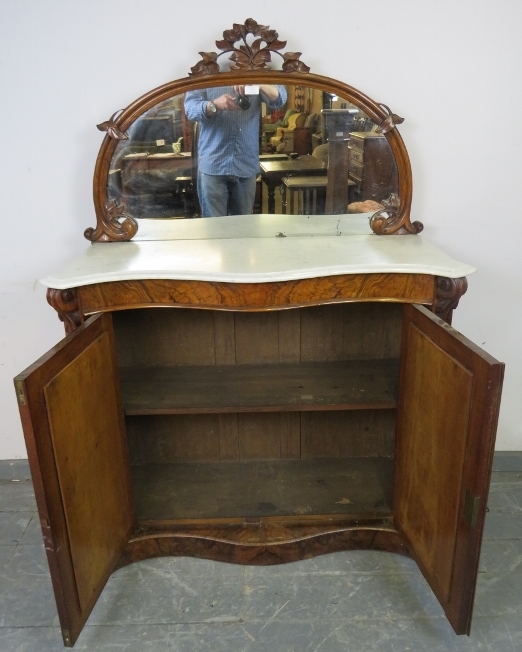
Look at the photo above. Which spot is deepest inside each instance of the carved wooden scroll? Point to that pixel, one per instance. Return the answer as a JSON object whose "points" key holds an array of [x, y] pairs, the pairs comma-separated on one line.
{"points": [[66, 304], [252, 55], [389, 219], [390, 122], [449, 291], [113, 225], [111, 127]]}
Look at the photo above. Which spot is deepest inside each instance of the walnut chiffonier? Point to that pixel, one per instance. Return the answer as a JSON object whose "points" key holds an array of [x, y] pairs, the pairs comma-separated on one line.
{"points": [[258, 389]]}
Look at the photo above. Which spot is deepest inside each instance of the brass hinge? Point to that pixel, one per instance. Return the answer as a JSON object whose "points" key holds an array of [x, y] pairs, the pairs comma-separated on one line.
{"points": [[20, 392], [471, 508]]}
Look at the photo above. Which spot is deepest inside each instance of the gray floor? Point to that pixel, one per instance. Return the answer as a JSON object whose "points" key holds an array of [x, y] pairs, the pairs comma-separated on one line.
{"points": [[353, 601]]}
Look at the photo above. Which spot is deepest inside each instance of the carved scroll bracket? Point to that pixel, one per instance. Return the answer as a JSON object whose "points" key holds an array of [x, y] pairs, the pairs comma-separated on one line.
{"points": [[388, 220], [449, 291], [252, 55], [390, 122], [110, 126], [65, 302], [113, 225]]}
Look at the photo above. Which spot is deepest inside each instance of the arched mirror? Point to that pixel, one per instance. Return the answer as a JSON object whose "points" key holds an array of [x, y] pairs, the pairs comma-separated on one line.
{"points": [[313, 146]]}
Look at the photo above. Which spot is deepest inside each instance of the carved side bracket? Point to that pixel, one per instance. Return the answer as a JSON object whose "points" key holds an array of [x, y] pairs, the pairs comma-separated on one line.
{"points": [[65, 302], [113, 225], [390, 122], [248, 56], [388, 220], [111, 127], [449, 291]]}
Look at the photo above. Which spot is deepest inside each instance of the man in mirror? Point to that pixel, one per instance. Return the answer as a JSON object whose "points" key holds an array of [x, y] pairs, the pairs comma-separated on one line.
{"points": [[228, 144]]}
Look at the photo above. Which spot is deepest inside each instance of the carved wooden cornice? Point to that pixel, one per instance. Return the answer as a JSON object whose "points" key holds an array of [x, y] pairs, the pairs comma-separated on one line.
{"points": [[113, 226], [66, 304], [449, 292], [248, 56]]}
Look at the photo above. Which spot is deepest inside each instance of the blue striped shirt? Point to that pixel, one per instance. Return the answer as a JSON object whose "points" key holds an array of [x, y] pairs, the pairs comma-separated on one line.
{"points": [[228, 140]]}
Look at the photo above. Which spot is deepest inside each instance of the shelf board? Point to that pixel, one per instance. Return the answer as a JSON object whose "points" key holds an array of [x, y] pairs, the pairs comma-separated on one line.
{"points": [[346, 385], [253, 489]]}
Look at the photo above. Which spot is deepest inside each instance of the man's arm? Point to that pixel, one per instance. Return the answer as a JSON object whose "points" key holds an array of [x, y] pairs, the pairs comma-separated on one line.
{"points": [[274, 96]]}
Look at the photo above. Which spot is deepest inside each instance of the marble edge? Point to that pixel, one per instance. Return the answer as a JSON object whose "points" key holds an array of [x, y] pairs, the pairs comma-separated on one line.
{"points": [[245, 277]]}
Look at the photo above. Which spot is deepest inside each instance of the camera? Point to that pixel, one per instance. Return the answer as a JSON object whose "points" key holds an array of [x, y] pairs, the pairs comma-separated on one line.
{"points": [[243, 102]]}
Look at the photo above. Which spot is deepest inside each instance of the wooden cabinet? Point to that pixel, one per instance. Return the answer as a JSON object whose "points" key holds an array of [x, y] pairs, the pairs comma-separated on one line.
{"points": [[261, 437], [372, 166], [261, 389]]}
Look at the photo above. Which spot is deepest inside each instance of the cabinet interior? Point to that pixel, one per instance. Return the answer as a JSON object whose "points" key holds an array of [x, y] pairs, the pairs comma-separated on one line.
{"points": [[234, 415]]}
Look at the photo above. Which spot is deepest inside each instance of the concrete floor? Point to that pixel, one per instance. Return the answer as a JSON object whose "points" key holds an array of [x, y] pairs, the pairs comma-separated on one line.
{"points": [[353, 601]]}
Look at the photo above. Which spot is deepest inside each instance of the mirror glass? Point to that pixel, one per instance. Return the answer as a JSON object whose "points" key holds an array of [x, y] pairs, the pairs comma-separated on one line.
{"points": [[314, 153]]}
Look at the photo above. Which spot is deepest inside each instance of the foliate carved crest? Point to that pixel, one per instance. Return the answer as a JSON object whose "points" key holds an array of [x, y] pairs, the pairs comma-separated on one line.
{"points": [[248, 56], [114, 225], [387, 220], [112, 128]]}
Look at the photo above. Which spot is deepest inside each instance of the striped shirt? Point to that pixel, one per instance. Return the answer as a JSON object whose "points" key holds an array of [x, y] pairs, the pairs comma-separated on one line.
{"points": [[228, 140]]}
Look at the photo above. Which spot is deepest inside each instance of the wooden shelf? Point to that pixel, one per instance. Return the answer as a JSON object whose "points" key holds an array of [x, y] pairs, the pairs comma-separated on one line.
{"points": [[347, 385], [263, 488]]}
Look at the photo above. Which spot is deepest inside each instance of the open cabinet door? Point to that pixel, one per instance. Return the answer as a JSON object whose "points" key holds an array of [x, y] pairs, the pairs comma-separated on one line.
{"points": [[447, 417], [73, 425]]}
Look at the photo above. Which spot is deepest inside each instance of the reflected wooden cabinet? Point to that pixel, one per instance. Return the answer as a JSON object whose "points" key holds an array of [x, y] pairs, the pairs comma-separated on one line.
{"points": [[261, 437], [372, 167]]}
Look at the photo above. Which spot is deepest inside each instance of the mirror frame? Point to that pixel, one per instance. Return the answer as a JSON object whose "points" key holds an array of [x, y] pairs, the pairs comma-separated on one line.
{"points": [[113, 225]]}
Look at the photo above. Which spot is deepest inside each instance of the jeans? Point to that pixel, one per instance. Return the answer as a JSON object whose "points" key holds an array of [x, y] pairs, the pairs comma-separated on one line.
{"points": [[225, 195]]}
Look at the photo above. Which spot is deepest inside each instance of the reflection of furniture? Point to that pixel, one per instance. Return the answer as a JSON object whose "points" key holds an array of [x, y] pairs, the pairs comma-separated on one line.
{"points": [[307, 194], [338, 124], [283, 141], [270, 129], [153, 176], [273, 171], [372, 166]]}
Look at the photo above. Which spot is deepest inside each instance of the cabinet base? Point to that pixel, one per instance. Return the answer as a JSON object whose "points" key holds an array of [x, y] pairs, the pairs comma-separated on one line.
{"points": [[263, 541]]}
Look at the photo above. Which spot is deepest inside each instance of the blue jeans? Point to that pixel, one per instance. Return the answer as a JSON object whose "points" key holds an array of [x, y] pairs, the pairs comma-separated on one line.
{"points": [[225, 195]]}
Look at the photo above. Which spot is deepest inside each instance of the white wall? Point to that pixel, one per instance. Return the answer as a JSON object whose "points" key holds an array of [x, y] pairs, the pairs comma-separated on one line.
{"points": [[450, 67]]}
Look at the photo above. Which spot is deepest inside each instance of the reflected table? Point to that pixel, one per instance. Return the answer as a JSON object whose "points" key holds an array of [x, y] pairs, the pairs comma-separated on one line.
{"points": [[308, 193], [272, 173]]}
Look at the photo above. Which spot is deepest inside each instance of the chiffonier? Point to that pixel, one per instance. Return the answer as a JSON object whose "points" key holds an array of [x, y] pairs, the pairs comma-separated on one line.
{"points": [[257, 389]]}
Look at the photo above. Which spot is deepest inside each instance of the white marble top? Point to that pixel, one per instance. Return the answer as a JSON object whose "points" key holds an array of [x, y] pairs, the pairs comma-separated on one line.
{"points": [[255, 248]]}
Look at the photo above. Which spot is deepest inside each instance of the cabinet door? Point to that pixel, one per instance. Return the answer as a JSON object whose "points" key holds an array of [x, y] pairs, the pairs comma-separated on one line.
{"points": [[73, 425], [447, 417]]}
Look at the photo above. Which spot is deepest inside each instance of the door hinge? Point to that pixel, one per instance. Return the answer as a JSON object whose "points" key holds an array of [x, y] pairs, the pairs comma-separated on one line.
{"points": [[471, 508], [20, 392]]}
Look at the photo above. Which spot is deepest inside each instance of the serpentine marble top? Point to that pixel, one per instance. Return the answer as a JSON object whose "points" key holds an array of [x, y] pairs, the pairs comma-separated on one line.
{"points": [[255, 248]]}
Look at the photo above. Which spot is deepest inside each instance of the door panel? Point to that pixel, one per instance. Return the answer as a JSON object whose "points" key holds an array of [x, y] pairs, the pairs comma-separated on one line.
{"points": [[73, 424], [447, 417]]}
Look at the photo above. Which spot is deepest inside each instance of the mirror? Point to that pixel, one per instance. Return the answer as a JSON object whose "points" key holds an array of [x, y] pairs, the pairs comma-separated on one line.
{"points": [[154, 172], [319, 146]]}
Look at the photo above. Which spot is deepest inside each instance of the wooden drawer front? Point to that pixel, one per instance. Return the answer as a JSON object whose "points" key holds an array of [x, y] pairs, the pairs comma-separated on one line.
{"points": [[356, 169], [356, 156], [357, 142], [120, 295]]}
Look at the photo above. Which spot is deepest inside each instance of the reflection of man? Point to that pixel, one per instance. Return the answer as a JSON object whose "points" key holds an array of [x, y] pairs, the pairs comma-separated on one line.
{"points": [[228, 145]]}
